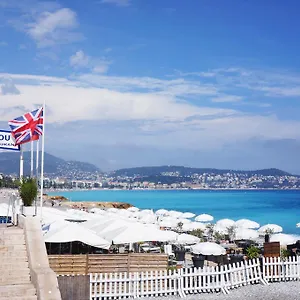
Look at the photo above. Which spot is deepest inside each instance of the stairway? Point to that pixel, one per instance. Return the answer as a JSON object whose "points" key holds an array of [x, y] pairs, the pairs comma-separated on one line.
{"points": [[15, 281]]}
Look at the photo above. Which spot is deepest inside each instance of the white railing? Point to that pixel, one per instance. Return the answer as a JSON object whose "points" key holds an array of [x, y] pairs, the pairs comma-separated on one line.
{"points": [[277, 269], [180, 282]]}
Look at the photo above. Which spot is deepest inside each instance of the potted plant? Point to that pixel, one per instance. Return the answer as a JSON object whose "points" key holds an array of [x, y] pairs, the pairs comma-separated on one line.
{"points": [[252, 252], [28, 192]]}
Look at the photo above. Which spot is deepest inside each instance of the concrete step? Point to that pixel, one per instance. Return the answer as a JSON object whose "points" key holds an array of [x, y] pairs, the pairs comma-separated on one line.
{"points": [[16, 256], [11, 231], [14, 279], [17, 290], [12, 239], [19, 298], [11, 264], [8, 277]]}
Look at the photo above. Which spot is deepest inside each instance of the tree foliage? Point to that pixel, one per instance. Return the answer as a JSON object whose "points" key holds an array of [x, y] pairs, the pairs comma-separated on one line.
{"points": [[28, 191]]}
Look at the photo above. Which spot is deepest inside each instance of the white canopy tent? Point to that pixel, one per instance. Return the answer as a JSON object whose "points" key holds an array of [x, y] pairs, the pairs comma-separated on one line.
{"points": [[137, 233], [64, 232]]}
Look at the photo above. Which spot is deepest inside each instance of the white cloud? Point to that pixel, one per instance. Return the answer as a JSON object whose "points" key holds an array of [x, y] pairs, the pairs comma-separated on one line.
{"points": [[117, 2], [79, 59], [154, 117], [3, 44], [227, 98], [96, 65], [51, 28], [101, 67]]}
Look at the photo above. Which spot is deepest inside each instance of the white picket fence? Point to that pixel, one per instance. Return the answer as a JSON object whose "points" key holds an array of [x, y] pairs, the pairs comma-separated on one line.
{"points": [[277, 269], [180, 282]]}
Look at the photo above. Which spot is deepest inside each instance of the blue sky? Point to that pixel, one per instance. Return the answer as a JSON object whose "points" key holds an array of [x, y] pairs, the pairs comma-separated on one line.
{"points": [[128, 83]]}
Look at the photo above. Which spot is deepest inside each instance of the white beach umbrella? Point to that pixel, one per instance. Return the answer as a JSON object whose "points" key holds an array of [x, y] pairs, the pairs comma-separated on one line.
{"points": [[98, 211], [193, 226], [208, 248], [162, 212], [175, 214], [133, 209], [246, 234], [245, 223], [124, 212], [225, 223], [187, 239], [187, 215], [63, 232], [148, 219], [284, 239], [146, 212], [270, 227], [204, 218], [183, 221], [112, 210], [169, 223]]}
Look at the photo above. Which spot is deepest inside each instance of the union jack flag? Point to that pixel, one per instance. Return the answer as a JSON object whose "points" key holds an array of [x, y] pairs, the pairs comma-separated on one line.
{"points": [[28, 127]]}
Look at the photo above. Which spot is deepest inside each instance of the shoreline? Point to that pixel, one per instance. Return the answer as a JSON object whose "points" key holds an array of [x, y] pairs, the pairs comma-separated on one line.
{"points": [[177, 189]]}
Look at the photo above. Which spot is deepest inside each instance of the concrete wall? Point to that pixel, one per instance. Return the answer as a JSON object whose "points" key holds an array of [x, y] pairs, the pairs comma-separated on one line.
{"points": [[43, 278]]}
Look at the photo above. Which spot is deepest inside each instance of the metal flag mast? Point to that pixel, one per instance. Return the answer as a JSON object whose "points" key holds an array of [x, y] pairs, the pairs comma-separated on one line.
{"points": [[42, 160]]}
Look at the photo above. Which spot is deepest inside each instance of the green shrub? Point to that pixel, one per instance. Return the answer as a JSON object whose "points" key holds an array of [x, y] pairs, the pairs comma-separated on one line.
{"points": [[252, 252], [28, 191]]}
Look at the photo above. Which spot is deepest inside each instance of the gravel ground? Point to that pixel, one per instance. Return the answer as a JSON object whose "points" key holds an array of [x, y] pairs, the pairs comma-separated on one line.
{"points": [[275, 291]]}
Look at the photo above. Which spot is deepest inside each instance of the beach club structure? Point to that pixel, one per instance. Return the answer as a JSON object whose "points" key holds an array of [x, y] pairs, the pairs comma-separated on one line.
{"points": [[53, 253], [117, 253]]}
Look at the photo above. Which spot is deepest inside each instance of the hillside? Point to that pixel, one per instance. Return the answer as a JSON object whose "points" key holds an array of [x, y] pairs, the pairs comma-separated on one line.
{"points": [[187, 171], [9, 164]]}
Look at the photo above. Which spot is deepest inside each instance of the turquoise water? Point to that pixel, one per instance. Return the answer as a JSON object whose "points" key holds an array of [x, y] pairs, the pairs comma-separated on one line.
{"points": [[279, 207]]}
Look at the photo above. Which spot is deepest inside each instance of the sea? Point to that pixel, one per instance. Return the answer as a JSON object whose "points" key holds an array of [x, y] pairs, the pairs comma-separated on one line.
{"points": [[280, 207]]}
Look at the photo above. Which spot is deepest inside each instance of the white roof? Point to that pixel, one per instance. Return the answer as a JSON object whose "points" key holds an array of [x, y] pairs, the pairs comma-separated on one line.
{"points": [[137, 233], [63, 232]]}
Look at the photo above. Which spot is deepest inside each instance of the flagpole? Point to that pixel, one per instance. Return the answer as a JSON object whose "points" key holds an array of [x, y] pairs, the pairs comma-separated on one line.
{"points": [[21, 163], [21, 173], [37, 159], [37, 170], [31, 159], [42, 160]]}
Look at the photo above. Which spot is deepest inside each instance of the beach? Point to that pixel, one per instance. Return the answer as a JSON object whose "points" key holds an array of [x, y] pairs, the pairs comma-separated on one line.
{"points": [[276, 207]]}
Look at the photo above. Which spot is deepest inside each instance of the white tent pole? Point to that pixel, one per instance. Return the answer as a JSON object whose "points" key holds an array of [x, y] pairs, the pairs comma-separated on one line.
{"points": [[42, 159], [31, 159]]}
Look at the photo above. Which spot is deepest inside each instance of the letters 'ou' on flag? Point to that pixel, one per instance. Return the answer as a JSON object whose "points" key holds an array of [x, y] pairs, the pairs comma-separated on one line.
{"points": [[28, 127]]}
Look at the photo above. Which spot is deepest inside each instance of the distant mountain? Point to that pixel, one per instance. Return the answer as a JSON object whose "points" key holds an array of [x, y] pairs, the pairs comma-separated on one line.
{"points": [[186, 171], [10, 161]]}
